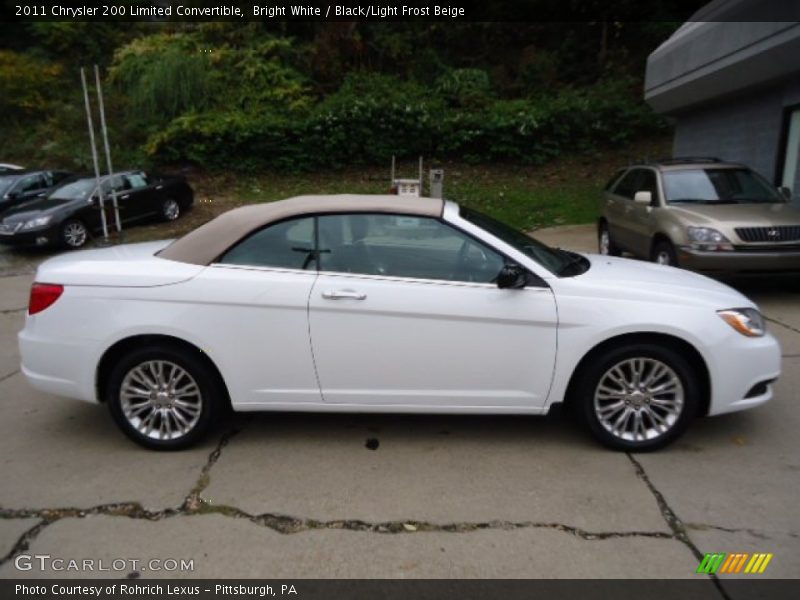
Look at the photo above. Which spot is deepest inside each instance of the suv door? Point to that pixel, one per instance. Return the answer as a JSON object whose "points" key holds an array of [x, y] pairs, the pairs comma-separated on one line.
{"points": [[641, 218], [620, 209], [405, 313]]}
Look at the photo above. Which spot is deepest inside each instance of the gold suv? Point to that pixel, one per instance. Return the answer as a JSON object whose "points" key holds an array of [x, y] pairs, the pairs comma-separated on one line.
{"points": [[702, 214]]}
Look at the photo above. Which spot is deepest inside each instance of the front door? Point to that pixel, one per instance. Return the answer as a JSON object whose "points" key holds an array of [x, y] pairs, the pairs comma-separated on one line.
{"points": [[405, 313]]}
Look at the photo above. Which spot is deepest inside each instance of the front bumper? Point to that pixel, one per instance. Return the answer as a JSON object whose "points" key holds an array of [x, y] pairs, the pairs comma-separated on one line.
{"points": [[742, 372], [739, 261], [45, 236]]}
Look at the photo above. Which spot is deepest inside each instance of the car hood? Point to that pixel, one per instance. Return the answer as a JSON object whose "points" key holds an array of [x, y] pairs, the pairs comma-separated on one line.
{"points": [[739, 215], [126, 265], [36, 208], [629, 279]]}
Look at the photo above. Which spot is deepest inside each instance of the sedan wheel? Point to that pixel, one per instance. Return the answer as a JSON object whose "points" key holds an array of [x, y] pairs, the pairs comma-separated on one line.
{"points": [[639, 398], [74, 234], [170, 209], [162, 398]]}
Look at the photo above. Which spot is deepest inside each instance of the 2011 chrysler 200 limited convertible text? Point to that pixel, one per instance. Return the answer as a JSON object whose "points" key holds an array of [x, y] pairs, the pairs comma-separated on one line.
{"points": [[388, 304]]}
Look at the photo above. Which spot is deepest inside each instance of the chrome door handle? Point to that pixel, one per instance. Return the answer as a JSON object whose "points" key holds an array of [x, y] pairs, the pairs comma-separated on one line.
{"points": [[125, 197], [343, 294], [158, 187]]}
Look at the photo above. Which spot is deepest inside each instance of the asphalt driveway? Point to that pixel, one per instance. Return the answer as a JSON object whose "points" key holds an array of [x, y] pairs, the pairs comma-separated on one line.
{"points": [[399, 496]]}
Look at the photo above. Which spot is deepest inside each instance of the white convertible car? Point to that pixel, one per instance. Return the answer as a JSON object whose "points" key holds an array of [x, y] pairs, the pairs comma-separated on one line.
{"points": [[388, 304]]}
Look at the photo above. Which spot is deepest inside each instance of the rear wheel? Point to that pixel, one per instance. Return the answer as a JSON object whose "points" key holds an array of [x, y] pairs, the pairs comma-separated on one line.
{"points": [[664, 254], [163, 397], [74, 234], [170, 209], [605, 244], [638, 397]]}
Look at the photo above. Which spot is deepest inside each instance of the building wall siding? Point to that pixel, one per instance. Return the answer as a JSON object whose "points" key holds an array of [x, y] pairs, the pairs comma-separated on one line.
{"points": [[746, 130]]}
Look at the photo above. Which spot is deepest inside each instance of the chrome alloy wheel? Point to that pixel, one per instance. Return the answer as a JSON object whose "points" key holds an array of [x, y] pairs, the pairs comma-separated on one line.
{"points": [[171, 209], [639, 399], [75, 234], [160, 400]]}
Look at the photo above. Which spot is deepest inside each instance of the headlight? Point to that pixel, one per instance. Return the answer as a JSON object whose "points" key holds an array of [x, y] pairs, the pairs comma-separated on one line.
{"points": [[706, 238], [747, 321], [37, 222]]}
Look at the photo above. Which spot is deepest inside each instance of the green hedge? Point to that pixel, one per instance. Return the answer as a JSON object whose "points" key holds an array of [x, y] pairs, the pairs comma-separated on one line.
{"points": [[367, 122]]}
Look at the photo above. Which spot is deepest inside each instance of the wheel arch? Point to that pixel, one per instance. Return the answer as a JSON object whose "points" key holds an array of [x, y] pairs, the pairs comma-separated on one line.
{"points": [[680, 345], [125, 345], [659, 236]]}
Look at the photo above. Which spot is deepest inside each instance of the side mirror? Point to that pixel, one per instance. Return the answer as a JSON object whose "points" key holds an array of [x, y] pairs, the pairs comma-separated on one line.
{"points": [[785, 192], [643, 197], [512, 277], [13, 195]]}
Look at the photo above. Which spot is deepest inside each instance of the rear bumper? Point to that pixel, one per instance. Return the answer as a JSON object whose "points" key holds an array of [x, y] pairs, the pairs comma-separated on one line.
{"points": [[60, 367], [739, 261]]}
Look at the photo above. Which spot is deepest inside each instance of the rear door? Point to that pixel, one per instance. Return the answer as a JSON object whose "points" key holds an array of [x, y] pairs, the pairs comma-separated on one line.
{"points": [[405, 314], [621, 223], [137, 198]]}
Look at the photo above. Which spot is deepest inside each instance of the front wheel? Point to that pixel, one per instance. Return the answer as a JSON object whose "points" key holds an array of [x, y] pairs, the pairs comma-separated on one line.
{"points": [[664, 254], [162, 397], [638, 397], [74, 234]]}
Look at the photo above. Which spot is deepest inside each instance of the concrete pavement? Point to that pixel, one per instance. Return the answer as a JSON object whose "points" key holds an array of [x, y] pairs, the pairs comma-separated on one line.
{"points": [[304, 496]]}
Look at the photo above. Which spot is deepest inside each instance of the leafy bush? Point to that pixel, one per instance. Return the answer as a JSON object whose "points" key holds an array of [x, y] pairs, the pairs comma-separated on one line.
{"points": [[27, 84]]}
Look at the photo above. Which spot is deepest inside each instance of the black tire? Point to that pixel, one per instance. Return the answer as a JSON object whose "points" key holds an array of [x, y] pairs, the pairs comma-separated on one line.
{"points": [[73, 234], [595, 371], [170, 209], [608, 248], [664, 253], [211, 394]]}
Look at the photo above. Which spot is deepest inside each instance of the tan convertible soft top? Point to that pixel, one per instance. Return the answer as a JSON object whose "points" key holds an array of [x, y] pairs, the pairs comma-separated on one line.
{"points": [[206, 243]]}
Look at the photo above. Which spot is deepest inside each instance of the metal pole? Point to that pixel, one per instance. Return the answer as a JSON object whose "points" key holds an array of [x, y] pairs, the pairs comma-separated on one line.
{"points": [[420, 177], [94, 156], [108, 151]]}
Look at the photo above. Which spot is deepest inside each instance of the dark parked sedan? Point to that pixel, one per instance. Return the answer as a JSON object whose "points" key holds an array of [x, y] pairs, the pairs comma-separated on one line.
{"points": [[71, 214], [17, 187]]}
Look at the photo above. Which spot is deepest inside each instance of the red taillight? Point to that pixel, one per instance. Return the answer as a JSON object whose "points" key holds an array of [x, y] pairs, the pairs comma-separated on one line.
{"points": [[43, 295]]}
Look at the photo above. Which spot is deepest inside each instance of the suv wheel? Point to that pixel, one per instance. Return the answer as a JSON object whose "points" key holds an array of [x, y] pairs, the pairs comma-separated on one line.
{"points": [[664, 254], [605, 244]]}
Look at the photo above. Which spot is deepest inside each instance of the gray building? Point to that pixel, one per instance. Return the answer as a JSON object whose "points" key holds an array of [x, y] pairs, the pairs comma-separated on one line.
{"points": [[732, 86]]}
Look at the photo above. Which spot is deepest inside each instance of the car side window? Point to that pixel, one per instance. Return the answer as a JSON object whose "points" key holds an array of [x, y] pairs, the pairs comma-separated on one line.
{"points": [[287, 245], [116, 183], [30, 183], [137, 180], [629, 184], [404, 246]]}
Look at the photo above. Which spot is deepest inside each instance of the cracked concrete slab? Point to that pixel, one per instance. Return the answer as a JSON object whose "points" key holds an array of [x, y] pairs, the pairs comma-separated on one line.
{"points": [[10, 532], [14, 292], [61, 452], [10, 324], [229, 547], [738, 471], [438, 469]]}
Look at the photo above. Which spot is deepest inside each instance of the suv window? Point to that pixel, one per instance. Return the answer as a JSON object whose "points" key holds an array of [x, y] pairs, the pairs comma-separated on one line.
{"points": [[404, 246], [613, 180], [288, 245], [629, 184]]}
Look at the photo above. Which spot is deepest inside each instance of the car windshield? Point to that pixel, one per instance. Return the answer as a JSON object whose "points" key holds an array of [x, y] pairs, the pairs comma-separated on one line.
{"points": [[717, 186], [77, 190], [561, 262], [6, 183]]}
